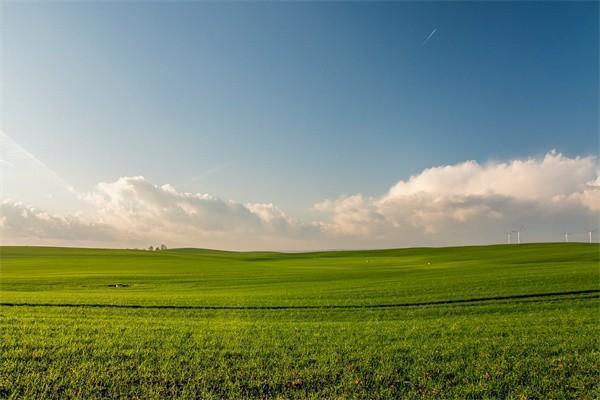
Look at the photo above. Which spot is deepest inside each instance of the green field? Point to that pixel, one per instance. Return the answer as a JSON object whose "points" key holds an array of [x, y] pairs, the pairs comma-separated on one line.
{"points": [[470, 322]]}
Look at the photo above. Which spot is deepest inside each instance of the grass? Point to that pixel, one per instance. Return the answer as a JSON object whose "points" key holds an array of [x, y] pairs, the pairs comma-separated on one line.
{"points": [[471, 322]]}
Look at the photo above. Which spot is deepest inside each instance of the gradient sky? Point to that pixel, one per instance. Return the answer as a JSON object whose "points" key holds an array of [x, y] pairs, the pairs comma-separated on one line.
{"points": [[299, 102]]}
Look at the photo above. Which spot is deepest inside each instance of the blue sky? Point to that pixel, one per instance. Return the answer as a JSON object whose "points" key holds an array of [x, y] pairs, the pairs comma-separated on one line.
{"points": [[299, 102]]}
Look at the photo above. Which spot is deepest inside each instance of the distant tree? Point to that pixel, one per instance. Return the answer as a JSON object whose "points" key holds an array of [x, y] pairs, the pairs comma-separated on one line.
{"points": [[156, 248], [163, 247], [150, 248]]}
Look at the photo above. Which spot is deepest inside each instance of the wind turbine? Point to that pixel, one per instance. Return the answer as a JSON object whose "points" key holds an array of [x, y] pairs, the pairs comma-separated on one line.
{"points": [[507, 237], [518, 232], [590, 231], [522, 228], [566, 237]]}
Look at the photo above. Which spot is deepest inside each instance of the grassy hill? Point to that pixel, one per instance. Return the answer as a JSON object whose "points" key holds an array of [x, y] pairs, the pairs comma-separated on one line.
{"points": [[463, 322]]}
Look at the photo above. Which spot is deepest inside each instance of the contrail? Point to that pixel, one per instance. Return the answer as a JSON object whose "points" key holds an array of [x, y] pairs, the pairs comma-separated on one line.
{"points": [[429, 37], [8, 146], [210, 171], [7, 163]]}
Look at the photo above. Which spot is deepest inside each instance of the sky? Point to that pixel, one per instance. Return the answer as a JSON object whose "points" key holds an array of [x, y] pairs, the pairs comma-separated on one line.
{"points": [[296, 126]]}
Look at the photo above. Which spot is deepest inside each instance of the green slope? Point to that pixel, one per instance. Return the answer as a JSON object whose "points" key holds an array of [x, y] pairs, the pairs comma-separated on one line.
{"points": [[218, 278], [533, 336]]}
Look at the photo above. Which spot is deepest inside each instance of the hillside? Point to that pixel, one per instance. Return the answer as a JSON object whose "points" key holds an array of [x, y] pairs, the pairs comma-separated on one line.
{"points": [[469, 322]]}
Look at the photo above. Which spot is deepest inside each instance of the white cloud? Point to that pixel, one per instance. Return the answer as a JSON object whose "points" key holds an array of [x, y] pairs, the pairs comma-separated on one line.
{"points": [[472, 202], [135, 205], [20, 223], [535, 179], [455, 204]]}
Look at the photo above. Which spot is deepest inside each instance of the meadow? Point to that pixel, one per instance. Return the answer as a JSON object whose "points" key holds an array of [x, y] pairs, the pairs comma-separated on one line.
{"points": [[481, 322]]}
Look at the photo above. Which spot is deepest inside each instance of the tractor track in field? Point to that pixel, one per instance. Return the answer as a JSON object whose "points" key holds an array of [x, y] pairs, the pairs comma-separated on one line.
{"points": [[550, 296]]}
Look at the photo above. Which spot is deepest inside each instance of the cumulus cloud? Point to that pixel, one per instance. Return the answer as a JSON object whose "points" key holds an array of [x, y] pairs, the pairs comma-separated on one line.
{"points": [[472, 202], [137, 206], [534, 179], [463, 203], [23, 223], [132, 211]]}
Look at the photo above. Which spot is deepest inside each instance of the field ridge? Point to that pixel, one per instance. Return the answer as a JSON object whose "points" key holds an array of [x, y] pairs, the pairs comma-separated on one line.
{"points": [[316, 307]]}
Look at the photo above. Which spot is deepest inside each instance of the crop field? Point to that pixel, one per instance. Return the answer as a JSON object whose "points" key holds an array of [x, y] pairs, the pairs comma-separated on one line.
{"points": [[516, 322]]}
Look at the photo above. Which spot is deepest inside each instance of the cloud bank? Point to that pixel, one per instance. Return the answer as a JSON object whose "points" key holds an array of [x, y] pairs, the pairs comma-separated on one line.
{"points": [[475, 203], [23, 224], [445, 205]]}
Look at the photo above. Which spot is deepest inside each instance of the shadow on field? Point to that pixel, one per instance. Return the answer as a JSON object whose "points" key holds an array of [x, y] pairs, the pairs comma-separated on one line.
{"points": [[595, 294]]}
